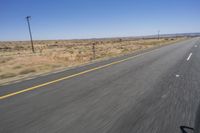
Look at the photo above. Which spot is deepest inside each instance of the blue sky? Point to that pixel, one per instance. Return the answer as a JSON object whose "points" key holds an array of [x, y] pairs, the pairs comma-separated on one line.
{"points": [[74, 19]]}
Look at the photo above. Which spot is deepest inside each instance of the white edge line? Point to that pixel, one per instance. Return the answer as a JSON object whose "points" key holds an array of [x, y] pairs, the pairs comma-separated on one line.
{"points": [[189, 56]]}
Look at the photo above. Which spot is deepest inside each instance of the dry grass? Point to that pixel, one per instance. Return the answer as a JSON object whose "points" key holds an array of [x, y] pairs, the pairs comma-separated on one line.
{"points": [[26, 71], [7, 75], [17, 60]]}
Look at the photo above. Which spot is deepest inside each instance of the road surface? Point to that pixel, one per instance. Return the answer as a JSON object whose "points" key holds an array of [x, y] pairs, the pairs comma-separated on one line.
{"points": [[153, 91]]}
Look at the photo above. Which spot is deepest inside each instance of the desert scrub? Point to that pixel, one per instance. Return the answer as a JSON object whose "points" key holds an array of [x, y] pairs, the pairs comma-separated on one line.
{"points": [[5, 59], [7, 75], [17, 67], [26, 71]]}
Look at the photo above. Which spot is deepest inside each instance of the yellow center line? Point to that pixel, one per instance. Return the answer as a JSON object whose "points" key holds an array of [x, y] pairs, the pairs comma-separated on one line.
{"points": [[68, 77]]}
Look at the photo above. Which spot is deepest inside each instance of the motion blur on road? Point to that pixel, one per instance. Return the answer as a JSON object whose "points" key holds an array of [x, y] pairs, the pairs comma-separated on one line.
{"points": [[99, 66], [154, 91]]}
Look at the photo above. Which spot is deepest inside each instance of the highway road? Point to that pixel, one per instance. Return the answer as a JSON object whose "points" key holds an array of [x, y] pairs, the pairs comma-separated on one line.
{"points": [[154, 91]]}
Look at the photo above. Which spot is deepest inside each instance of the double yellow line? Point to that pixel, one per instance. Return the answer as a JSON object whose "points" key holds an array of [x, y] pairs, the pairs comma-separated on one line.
{"points": [[68, 77]]}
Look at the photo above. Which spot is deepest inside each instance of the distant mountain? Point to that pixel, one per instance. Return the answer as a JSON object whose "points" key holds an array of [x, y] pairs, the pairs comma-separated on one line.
{"points": [[168, 35], [180, 34], [151, 36]]}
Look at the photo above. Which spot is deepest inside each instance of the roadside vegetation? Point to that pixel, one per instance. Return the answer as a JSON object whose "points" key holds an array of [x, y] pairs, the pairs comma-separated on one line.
{"points": [[17, 60]]}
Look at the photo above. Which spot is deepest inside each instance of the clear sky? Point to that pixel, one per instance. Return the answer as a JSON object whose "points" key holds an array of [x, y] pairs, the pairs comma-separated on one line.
{"points": [[70, 19]]}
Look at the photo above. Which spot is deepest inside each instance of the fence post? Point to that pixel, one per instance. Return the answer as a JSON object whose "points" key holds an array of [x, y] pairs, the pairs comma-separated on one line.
{"points": [[94, 52]]}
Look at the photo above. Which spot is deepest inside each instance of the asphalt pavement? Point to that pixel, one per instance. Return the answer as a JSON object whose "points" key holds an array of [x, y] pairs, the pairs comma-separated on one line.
{"points": [[154, 91]]}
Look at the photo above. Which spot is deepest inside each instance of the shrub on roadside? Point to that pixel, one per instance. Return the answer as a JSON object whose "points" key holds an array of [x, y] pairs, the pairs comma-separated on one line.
{"points": [[26, 71], [7, 75]]}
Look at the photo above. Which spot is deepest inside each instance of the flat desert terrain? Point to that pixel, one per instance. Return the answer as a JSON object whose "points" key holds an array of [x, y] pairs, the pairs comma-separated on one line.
{"points": [[17, 60]]}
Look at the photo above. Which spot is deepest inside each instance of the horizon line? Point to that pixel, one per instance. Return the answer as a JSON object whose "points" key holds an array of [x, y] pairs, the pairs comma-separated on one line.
{"points": [[113, 37]]}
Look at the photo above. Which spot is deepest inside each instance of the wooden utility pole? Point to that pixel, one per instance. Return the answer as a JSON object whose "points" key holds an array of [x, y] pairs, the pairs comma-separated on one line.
{"points": [[29, 27]]}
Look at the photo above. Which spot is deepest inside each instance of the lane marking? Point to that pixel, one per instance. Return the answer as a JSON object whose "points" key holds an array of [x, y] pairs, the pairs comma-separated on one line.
{"points": [[177, 76], [195, 46], [189, 56], [71, 76]]}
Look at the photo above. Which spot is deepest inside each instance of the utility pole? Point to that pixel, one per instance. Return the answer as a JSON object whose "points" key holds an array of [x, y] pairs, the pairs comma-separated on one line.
{"points": [[158, 34], [29, 27]]}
